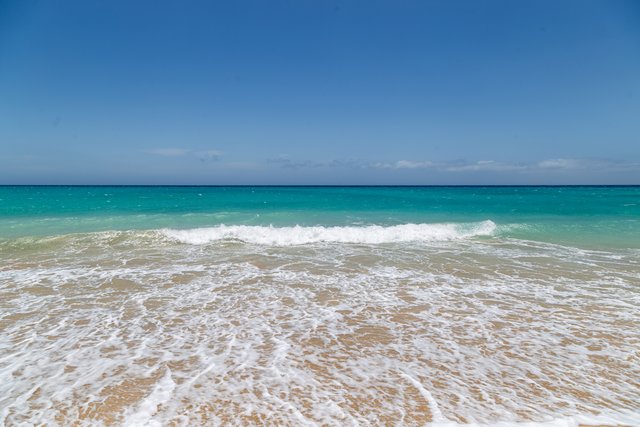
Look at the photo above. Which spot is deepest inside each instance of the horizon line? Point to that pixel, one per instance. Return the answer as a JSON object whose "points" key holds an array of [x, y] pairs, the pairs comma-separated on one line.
{"points": [[320, 185]]}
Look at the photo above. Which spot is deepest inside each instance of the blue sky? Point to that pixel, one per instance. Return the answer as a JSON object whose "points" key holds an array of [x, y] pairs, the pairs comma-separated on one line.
{"points": [[319, 92]]}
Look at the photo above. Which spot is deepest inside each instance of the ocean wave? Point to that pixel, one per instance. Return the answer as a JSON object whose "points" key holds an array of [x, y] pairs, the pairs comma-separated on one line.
{"points": [[299, 235]]}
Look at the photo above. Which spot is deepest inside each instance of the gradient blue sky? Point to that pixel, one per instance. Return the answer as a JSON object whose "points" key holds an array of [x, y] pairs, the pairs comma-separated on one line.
{"points": [[319, 92]]}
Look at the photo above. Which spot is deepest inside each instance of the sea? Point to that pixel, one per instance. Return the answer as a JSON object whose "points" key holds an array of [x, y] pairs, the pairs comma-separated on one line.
{"points": [[319, 306]]}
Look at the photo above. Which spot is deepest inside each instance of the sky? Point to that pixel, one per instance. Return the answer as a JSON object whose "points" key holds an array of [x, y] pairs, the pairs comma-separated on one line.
{"points": [[319, 92]]}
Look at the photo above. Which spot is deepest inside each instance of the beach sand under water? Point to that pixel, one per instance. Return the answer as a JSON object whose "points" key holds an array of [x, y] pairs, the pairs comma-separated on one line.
{"points": [[413, 323], [154, 327]]}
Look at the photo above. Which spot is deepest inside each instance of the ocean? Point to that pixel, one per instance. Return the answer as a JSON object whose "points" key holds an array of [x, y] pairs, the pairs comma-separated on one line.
{"points": [[338, 306]]}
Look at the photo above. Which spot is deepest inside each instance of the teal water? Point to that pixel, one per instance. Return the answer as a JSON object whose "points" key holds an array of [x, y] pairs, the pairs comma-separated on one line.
{"points": [[582, 216], [440, 306]]}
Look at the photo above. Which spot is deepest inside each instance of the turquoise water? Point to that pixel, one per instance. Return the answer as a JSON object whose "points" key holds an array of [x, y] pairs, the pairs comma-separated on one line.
{"points": [[582, 216], [453, 306]]}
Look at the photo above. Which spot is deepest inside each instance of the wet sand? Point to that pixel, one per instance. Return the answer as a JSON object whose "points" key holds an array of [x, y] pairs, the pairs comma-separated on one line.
{"points": [[318, 335]]}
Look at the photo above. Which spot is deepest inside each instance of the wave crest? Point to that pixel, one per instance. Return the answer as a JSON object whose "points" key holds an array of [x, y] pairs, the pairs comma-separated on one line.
{"points": [[299, 235]]}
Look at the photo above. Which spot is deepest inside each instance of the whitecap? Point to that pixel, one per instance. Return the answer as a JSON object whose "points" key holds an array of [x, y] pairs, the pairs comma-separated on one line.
{"points": [[299, 235]]}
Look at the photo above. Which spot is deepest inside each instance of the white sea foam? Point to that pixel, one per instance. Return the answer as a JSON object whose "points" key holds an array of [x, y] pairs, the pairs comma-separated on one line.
{"points": [[627, 419], [138, 329], [161, 395], [298, 235]]}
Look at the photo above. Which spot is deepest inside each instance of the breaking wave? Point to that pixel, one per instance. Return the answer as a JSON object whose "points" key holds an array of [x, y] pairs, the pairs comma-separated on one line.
{"points": [[299, 235]]}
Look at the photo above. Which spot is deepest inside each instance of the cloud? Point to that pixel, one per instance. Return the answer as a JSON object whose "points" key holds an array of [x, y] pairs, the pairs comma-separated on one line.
{"points": [[547, 165], [551, 167], [243, 165], [561, 164], [168, 152], [485, 166], [568, 164], [208, 155], [203, 155], [403, 164], [286, 163], [451, 166]]}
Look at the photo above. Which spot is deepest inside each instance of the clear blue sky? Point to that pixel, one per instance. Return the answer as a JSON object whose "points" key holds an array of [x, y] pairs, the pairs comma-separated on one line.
{"points": [[319, 92]]}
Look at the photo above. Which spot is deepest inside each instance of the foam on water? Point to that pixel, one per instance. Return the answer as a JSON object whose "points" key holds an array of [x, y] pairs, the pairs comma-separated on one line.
{"points": [[374, 234], [161, 395], [576, 421], [129, 328]]}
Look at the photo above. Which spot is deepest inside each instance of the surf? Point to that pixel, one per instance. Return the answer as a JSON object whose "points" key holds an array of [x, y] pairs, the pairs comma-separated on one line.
{"points": [[300, 235]]}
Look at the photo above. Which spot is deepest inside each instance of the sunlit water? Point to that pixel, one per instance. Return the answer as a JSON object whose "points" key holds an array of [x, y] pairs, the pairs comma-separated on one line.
{"points": [[355, 323]]}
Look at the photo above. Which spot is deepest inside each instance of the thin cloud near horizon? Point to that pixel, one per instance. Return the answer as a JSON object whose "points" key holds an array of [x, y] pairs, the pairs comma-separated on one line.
{"points": [[552, 164], [203, 155]]}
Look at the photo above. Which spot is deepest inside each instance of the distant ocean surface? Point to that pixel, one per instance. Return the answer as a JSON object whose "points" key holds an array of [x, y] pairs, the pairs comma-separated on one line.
{"points": [[319, 305]]}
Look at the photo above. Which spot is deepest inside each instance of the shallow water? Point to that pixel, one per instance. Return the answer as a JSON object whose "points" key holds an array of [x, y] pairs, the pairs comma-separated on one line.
{"points": [[443, 323]]}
